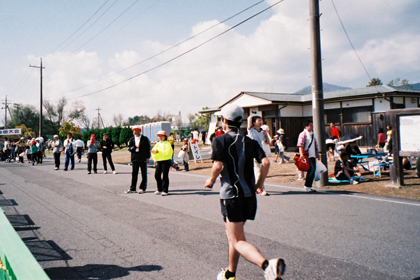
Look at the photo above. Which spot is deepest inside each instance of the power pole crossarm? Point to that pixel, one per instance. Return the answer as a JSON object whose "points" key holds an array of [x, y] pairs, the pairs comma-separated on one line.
{"points": [[40, 97]]}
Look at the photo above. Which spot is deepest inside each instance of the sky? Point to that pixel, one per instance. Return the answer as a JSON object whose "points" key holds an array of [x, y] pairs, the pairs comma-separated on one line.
{"points": [[132, 57]]}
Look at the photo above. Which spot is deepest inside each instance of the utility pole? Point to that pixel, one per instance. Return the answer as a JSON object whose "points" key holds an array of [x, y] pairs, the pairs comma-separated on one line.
{"points": [[40, 98], [6, 107], [99, 118], [317, 87]]}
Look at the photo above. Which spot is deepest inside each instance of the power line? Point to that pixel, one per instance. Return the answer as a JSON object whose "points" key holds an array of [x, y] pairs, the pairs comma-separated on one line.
{"points": [[81, 26], [106, 26], [348, 38], [90, 25], [168, 49], [180, 55]]}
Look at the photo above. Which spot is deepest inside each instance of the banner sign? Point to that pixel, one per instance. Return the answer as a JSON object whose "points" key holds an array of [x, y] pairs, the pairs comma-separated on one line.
{"points": [[14, 131], [195, 150]]}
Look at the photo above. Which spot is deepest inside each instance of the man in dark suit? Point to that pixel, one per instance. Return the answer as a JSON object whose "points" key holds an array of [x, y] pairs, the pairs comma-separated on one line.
{"points": [[139, 146]]}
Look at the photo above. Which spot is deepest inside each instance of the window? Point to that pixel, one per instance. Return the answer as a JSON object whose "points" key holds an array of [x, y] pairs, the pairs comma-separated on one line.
{"points": [[332, 116], [357, 115]]}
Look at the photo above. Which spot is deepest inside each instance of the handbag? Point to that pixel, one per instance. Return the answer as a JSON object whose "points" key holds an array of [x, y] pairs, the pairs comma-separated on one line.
{"points": [[181, 154], [302, 164]]}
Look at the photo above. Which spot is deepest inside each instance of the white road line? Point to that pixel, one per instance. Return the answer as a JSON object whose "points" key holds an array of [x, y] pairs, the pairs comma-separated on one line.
{"points": [[349, 195]]}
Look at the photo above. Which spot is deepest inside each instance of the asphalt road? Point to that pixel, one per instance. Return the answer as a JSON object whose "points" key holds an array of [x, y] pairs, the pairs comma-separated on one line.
{"points": [[85, 227]]}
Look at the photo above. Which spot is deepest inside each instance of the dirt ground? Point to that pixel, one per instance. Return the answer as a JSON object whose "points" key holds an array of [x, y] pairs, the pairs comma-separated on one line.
{"points": [[286, 173]]}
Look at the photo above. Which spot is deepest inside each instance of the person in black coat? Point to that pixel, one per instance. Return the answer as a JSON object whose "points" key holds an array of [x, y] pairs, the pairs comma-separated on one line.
{"points": [[139, 146], [107, 145]]}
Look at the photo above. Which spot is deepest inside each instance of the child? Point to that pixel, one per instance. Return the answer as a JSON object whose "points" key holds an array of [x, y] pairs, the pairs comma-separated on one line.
{"points": [[343, 169], [186, 149], [21, 156], [34, 150], [28, 153]]}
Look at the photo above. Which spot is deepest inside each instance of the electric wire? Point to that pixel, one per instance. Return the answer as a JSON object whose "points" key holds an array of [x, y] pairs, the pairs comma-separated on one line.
{"points": [[348, 38], [135, 2], [118, 31], [68, 38], [90, 25], [166, 50], [180, 55]]}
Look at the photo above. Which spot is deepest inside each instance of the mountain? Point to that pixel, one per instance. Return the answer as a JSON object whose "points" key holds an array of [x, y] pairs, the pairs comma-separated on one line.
{"points": [[327, 87], [415, 86]]}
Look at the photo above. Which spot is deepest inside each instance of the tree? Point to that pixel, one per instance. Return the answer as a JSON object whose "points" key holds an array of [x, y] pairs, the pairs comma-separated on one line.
{"points": [[117, 120], [399, 83], [27, 131], [125, 135], [191, 118], [203, 120], [25, 114], [374, 82], [68, 127], [115, 135]]}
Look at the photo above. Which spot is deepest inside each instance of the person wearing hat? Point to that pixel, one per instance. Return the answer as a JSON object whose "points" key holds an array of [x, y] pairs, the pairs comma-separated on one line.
{"points": [[233, 159], [139, 146], [57, 148], [107, 145], [162, 154], [70, 149]]}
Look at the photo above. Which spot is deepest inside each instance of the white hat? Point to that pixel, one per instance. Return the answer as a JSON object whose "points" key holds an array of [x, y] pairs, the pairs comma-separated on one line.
{"points": [[280, 131], [136, 127], [56, 136], [232, 112]]}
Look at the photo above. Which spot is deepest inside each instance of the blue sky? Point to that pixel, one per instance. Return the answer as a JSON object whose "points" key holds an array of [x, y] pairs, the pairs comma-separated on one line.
{"points": [[268, 53]]}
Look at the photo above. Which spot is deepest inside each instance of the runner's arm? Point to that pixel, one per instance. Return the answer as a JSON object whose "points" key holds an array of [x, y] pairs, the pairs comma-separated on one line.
{"points": [[215, 171]]}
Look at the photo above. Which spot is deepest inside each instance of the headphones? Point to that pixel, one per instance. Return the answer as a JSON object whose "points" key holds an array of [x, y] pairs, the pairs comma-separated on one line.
{"points": [[233, 159]]}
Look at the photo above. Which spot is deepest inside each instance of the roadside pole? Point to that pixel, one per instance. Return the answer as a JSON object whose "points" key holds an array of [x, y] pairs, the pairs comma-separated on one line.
{"points": [[317, 88]]}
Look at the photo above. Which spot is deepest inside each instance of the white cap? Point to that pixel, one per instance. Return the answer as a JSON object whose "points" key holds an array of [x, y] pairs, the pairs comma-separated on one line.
{"points": [[232, 112]]}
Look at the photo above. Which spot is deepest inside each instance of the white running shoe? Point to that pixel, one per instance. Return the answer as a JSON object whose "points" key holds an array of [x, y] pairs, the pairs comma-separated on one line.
{"points": [[158, 193], [105, 172], [141, 191], [275, 269], [221, 275], [114, 172], [164, 193]]}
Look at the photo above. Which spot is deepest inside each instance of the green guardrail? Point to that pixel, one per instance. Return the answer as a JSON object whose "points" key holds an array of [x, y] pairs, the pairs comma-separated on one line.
{"points": [[16, 261]]}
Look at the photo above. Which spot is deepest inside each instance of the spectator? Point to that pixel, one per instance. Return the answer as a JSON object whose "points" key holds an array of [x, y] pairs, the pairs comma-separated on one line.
{"points": [[162, 154], [80, 146], [381, 138], [345, 170], [107, 145], [334, 131], [185, 159], [139, 146], [57, 149], [70, 150], [92, 146], [255, 133], [308, 145]]}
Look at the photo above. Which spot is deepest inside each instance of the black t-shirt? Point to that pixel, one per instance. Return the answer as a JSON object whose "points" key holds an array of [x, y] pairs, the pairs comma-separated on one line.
{"points": [[237, 152]]}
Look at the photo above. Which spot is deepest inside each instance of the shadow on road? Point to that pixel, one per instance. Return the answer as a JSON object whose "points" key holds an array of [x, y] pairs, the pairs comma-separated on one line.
{"points": [[97, 271]]}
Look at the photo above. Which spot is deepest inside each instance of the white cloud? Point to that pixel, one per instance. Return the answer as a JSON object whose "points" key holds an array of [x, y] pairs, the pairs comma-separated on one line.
{"points": [[275, 56]]}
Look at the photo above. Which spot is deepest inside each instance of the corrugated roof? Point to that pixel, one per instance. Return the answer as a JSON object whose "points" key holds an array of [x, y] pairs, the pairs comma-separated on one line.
{"points": [[303, 98]]}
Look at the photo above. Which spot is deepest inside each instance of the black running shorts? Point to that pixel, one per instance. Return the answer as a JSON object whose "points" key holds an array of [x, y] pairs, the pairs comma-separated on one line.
{"points": [[238, 210]]}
